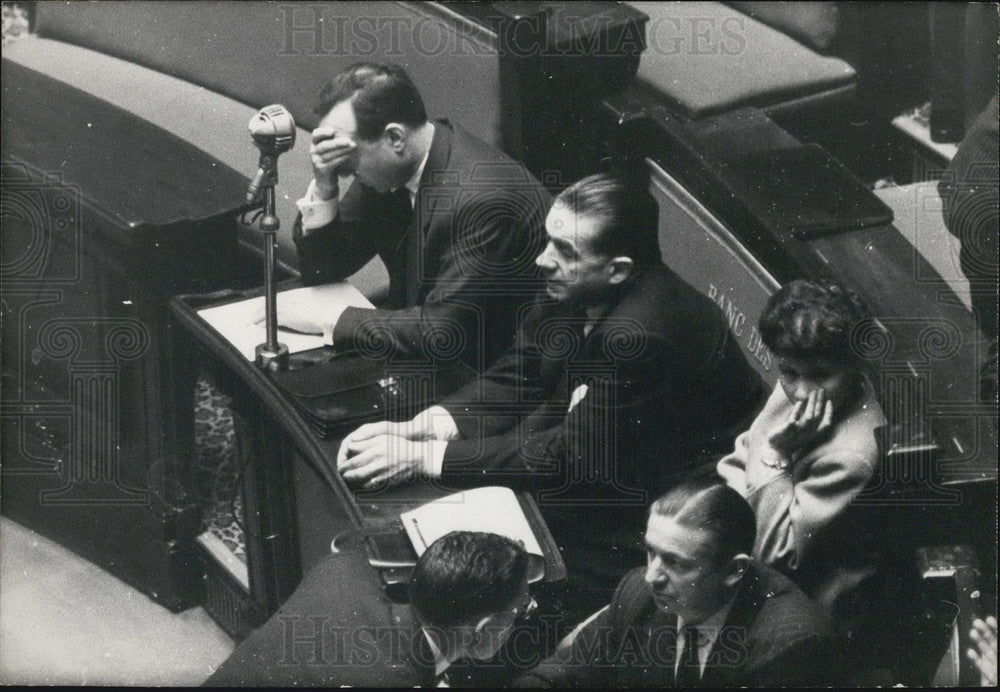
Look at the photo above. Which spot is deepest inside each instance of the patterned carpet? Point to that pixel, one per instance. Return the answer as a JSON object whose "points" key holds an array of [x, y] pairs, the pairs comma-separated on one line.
{"points": [[217, 472]]}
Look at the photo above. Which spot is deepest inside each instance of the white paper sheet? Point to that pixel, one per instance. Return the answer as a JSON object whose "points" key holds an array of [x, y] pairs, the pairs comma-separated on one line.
{"points": [[235, 321], [492, 509]]}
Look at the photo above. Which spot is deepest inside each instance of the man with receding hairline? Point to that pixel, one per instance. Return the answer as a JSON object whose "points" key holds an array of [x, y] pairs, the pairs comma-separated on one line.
{"points": [[456, 222], [622, 374], [701, 613]]}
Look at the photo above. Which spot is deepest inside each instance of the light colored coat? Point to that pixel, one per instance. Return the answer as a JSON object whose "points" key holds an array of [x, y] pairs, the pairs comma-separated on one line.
{"points": [[794, 506]]}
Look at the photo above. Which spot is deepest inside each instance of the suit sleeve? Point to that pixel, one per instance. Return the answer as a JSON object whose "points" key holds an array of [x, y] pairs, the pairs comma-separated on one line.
{"points": [[482, 265], [793, 513], [555, 444], [341, 247], [803, 663], [742, 467], [488, 406], [733, 466], [591, 660]]}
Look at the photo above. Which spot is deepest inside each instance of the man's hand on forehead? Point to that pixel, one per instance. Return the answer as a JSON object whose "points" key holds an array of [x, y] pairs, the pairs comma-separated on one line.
{"points": [[333, 136], [331, 154]]}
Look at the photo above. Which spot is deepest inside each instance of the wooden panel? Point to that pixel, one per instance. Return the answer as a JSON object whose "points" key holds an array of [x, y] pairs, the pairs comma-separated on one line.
{"points": [[261, 53], [704, 253], [104, 216]]}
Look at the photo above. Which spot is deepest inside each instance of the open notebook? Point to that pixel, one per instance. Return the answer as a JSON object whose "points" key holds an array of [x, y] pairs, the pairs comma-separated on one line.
{"points": [[236, 321], [492, 510]]}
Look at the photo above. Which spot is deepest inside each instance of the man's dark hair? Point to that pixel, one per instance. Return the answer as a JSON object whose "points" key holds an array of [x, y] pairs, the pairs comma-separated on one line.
{"points": [[807, 319], [709, 504], [466, 575], [379, 93], [628, 214]]}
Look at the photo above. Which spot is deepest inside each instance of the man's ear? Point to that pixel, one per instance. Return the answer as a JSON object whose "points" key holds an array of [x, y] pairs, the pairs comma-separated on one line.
{"points": [[737, 568], [482, 629], [619, 269], [396, 135], [484, 624]]}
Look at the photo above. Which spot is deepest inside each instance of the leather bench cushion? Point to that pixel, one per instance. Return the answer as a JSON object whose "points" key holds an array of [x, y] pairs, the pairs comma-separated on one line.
{"points": [[707, 58], [208, 122], [813, 23], [211, 122], [260, 53], [263, 53]]}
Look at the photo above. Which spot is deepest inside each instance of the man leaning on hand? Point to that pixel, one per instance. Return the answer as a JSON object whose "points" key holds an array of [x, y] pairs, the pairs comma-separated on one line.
{"points": [[455, 221]]}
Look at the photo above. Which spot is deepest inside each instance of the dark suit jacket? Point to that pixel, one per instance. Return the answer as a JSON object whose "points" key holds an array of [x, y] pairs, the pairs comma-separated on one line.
{"points": [[666, 382], [970, 201], [337, 629], [459, 272], [773, 636]]}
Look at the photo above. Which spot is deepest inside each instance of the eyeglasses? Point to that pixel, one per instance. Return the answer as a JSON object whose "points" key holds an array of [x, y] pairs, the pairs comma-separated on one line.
{"points": [[525, 610]]}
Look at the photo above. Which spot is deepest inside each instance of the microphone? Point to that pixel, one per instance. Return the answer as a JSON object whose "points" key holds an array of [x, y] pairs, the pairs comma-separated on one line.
{"points": [[272, 130]]}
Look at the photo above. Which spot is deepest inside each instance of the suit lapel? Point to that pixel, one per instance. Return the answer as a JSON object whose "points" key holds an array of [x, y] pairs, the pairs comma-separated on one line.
{"points": [[416, 650], [727, 660], [662, 674], [593, 347], [556, 319], [414, 241]]}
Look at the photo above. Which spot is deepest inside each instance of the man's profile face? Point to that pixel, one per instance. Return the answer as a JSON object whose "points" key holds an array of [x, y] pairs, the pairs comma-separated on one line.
{"points": [[571, 268], [681, 570], [372, 162]]}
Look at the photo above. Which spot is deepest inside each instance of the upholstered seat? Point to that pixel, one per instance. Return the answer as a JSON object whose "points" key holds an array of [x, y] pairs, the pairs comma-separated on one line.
{"points": [[706, 58], [261, 53]]}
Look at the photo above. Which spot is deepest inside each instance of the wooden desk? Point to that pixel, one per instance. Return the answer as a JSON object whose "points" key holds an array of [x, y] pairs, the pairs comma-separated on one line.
{"points": [[272, 438], [930, 158], [106, 215]]}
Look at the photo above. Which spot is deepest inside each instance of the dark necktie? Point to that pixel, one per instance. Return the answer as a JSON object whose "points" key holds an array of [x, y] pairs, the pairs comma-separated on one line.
{"points": [[688, 669], [400, 209], [398, 214]]}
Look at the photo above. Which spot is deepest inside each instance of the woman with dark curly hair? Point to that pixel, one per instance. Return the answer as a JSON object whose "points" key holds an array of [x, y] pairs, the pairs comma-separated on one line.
{"points": [[812, 449]]}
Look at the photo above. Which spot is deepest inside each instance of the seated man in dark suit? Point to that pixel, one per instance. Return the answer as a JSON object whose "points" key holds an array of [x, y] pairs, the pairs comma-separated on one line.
{"points": [[620, 378], [455, 221], [340, 629], [971, 204], [701, 614]]}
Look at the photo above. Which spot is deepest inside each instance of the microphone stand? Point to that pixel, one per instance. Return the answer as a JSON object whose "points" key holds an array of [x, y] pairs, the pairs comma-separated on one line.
{"points": [[270, 355]]}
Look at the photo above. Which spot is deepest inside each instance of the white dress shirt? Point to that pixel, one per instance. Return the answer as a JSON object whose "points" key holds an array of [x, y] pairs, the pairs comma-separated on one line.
{"points": [[441, 663], [319, 212], [708, 633]]}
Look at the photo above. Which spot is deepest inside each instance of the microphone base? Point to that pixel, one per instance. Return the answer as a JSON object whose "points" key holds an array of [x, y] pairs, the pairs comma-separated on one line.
{"points": [[271, 360]]}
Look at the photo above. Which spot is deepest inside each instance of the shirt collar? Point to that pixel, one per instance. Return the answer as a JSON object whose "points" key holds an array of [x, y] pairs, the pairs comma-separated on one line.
{"points": [[708, 630], [440, 662], [413, 184]]}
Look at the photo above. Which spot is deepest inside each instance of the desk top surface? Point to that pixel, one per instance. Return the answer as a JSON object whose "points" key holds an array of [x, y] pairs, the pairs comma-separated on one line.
{"points": [[129, 168], [370, 510]]}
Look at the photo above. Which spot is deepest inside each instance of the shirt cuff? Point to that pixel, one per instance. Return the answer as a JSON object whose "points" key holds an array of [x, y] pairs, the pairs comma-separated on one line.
{"points": [[773, 459], [440, 421], [328, 334], [434, 459], [766, 468], [316, 212]]}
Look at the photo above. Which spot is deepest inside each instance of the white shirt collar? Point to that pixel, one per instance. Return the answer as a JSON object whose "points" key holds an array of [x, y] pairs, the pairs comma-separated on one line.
{"points": [[440, 662], [708, 632], [413, 184]]}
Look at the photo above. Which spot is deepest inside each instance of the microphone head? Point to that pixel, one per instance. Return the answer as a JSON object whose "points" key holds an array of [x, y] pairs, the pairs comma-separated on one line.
{"points": [[273, 129]]}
